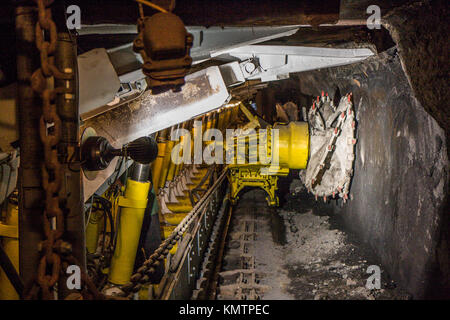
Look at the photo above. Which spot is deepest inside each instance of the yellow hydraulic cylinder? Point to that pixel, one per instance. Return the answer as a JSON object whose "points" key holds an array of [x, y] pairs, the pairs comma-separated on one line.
{"points": [[10, 243], [171, 170], [180, 156], [226, 119], [204, 122], [209, 122], [220, 119], [234, 114], [293, 146], [166, 164], [180, 165], [158, 163], [133, 205], [93, 230]]}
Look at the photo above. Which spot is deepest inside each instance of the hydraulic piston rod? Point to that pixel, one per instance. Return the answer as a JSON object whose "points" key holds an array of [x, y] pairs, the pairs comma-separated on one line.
{"points": [[132, 205]]}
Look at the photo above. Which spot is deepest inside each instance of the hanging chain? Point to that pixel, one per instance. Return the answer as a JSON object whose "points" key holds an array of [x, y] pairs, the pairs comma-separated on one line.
{"points": [[56, 253]]}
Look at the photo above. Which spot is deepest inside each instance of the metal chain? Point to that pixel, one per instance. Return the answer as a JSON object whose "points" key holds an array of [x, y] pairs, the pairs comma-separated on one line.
{"points": [[56, 253]]}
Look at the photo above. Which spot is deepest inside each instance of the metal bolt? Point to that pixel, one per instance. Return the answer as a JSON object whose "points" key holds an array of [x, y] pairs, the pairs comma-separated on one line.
{"points": [[250, 67]]}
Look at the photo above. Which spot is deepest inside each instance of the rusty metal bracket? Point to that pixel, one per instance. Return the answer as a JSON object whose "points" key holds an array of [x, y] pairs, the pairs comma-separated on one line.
{"points": [[164, 45]]}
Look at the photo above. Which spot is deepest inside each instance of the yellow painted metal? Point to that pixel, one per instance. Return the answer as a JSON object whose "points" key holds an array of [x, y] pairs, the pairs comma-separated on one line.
{"points": [[171, 171], [133, 205], [93, 230], [114, 209], [204, 123], [215, 123], [249, 176], [158, 164], [289, 149], [10, 243], [172, 167], [178, 166], [174, 219], [220, 121], [167, 231], [143, 293], [179, 207], [199, 175], [234, 114], [177, 169], [166, 163], [8, 231], [293, 144], [253, 120], [209, 122], [227, 120], [179, 156]]}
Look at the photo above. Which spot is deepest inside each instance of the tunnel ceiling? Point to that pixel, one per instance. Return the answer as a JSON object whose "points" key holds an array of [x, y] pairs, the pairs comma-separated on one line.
{"points": [[237, 12]]}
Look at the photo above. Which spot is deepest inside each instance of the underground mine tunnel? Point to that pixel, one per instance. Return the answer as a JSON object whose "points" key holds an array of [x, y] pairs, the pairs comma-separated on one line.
{"points": [[232, 150]]}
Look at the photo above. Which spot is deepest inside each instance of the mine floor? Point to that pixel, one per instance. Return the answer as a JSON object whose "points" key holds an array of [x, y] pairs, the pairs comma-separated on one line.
{"points": [[296, 251]]}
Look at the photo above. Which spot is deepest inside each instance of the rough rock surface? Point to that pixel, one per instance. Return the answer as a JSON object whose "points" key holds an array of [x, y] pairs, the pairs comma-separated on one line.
{"points": [[400, 184], [298, 253]]}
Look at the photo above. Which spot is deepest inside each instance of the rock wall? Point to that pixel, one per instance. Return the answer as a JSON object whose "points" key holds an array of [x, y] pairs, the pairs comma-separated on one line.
{"points": [[400, 184], [420, 30]]}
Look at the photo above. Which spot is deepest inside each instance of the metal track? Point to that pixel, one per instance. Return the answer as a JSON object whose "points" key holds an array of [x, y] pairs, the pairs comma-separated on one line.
{"points": [[230, 271], [181, 279], [207, 282]]}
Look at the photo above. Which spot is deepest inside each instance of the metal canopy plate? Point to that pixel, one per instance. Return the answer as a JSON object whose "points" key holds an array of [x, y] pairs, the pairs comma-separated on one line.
{"points": [[301, 51], [213, 41], [98, 81], [271, 63], [204, 91]]}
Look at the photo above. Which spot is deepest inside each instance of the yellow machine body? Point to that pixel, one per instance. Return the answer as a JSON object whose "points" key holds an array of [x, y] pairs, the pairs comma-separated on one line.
{"points": [[93, 230], [249, 176], [286, 147], [9, 235], [158, 164]]}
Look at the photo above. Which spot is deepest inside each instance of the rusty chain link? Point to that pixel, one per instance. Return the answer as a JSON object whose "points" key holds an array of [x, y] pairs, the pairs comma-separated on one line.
{"points": [[56, 253]]}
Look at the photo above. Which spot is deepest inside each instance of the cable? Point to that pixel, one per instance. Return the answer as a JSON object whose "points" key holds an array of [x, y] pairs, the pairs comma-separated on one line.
{"points": [[11, 272], [106, 208], [152, 5], [104, 205], [118, 171]]}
